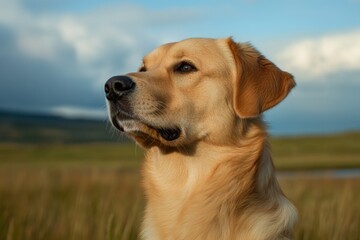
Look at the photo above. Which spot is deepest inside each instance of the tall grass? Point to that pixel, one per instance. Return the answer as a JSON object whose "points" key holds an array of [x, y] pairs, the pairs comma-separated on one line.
{"points": [[328, 208], [92, 191], [71, 203]]}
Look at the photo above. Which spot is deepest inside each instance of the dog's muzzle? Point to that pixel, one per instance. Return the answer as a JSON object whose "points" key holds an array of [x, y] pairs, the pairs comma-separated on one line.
{"points": [[117, 87]]}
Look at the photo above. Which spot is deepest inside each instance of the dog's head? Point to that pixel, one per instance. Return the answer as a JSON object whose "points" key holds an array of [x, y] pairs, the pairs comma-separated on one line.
{"points": [[193, 90]]}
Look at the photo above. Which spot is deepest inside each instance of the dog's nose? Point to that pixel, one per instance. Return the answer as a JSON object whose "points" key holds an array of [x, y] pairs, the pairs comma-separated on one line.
{"points": [[116, 86]]}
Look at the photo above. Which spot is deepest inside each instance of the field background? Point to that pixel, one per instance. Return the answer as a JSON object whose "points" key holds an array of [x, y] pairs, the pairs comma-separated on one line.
{"points": [[61, 179]]}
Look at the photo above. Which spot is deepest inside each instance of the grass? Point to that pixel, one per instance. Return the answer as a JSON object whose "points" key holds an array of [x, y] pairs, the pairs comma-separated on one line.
{"points": [[122, 155], [92, 190], [317, 152], [328, 208], [107, 204], [69, 204]]}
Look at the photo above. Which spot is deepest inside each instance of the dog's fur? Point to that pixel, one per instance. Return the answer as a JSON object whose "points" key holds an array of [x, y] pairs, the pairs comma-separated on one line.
{"points": [[216, 180]]}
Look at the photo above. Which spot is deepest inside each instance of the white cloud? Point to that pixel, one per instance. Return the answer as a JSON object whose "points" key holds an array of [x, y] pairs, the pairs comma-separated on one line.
{"points": [[41, 46], [78, 112], [319, 57], [103, 42]]}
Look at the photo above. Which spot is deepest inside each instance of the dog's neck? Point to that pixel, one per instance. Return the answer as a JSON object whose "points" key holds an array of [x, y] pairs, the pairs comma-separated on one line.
{"points": [[216, 182], [248, 156]]}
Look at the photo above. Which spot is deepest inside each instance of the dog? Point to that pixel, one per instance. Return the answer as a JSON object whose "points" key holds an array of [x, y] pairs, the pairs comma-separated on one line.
{"points": [[196, 107]]}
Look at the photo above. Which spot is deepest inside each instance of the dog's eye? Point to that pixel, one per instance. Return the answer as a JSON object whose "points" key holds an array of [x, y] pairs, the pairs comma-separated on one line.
{"points": [[185, 67]]}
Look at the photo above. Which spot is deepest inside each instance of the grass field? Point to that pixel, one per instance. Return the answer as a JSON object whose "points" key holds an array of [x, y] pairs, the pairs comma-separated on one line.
{"points": [[92, 191], [317, 152]]}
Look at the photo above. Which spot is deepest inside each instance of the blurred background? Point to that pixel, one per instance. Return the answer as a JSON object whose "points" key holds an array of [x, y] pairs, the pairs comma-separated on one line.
{"points": [[65, 174]]}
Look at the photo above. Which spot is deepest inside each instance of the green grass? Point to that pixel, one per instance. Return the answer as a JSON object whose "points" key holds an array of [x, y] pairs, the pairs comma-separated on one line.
{"points": [[92, 191], [317, 152], [81, 155]]}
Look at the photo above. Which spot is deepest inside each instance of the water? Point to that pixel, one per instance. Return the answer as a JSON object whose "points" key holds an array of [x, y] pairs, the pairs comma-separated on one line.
{"points": [[328, 173]]}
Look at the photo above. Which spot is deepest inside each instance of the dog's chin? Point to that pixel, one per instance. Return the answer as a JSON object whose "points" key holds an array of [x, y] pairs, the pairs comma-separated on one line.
{"points": [[148, 135]]}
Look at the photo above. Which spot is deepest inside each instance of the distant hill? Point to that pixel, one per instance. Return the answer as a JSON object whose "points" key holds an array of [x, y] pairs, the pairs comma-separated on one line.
{"points": [[18, 127]]}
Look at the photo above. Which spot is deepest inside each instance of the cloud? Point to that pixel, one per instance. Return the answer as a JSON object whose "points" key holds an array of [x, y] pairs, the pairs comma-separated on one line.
{"points": [[58, 58], [319, 57], [35, 84], [78, 112], [327, 70], [93, 35]]}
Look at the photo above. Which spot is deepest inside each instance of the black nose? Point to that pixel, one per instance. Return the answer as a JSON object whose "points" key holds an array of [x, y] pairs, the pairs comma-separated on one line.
{"points": [[117, 86]]}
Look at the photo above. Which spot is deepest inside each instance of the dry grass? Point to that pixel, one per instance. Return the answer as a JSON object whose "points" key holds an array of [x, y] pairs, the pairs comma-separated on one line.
{"points": [[87, 192], [69, 204], [73, 203], [328, 208]]}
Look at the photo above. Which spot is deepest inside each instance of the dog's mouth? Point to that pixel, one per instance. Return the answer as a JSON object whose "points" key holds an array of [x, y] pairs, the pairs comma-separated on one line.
{"points": [[132, 125]]}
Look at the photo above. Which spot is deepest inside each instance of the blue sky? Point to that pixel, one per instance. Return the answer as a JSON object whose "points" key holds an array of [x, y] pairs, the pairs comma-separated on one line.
{"points": [[56, 55]]}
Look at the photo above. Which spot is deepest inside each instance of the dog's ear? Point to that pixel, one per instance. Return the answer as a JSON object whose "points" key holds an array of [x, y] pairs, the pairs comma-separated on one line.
{"points": [[259, 84]]}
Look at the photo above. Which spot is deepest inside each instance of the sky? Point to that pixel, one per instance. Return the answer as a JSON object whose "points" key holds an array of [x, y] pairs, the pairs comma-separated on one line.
{"points": [[56, 55]]}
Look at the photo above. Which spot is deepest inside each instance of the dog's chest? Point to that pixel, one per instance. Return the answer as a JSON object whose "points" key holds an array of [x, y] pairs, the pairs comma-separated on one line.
{"points": [[175, 180], [174, 189]]}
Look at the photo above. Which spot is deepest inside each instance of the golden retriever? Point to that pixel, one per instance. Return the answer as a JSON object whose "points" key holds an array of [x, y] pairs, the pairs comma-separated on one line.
{"points": [[196, 106]]}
